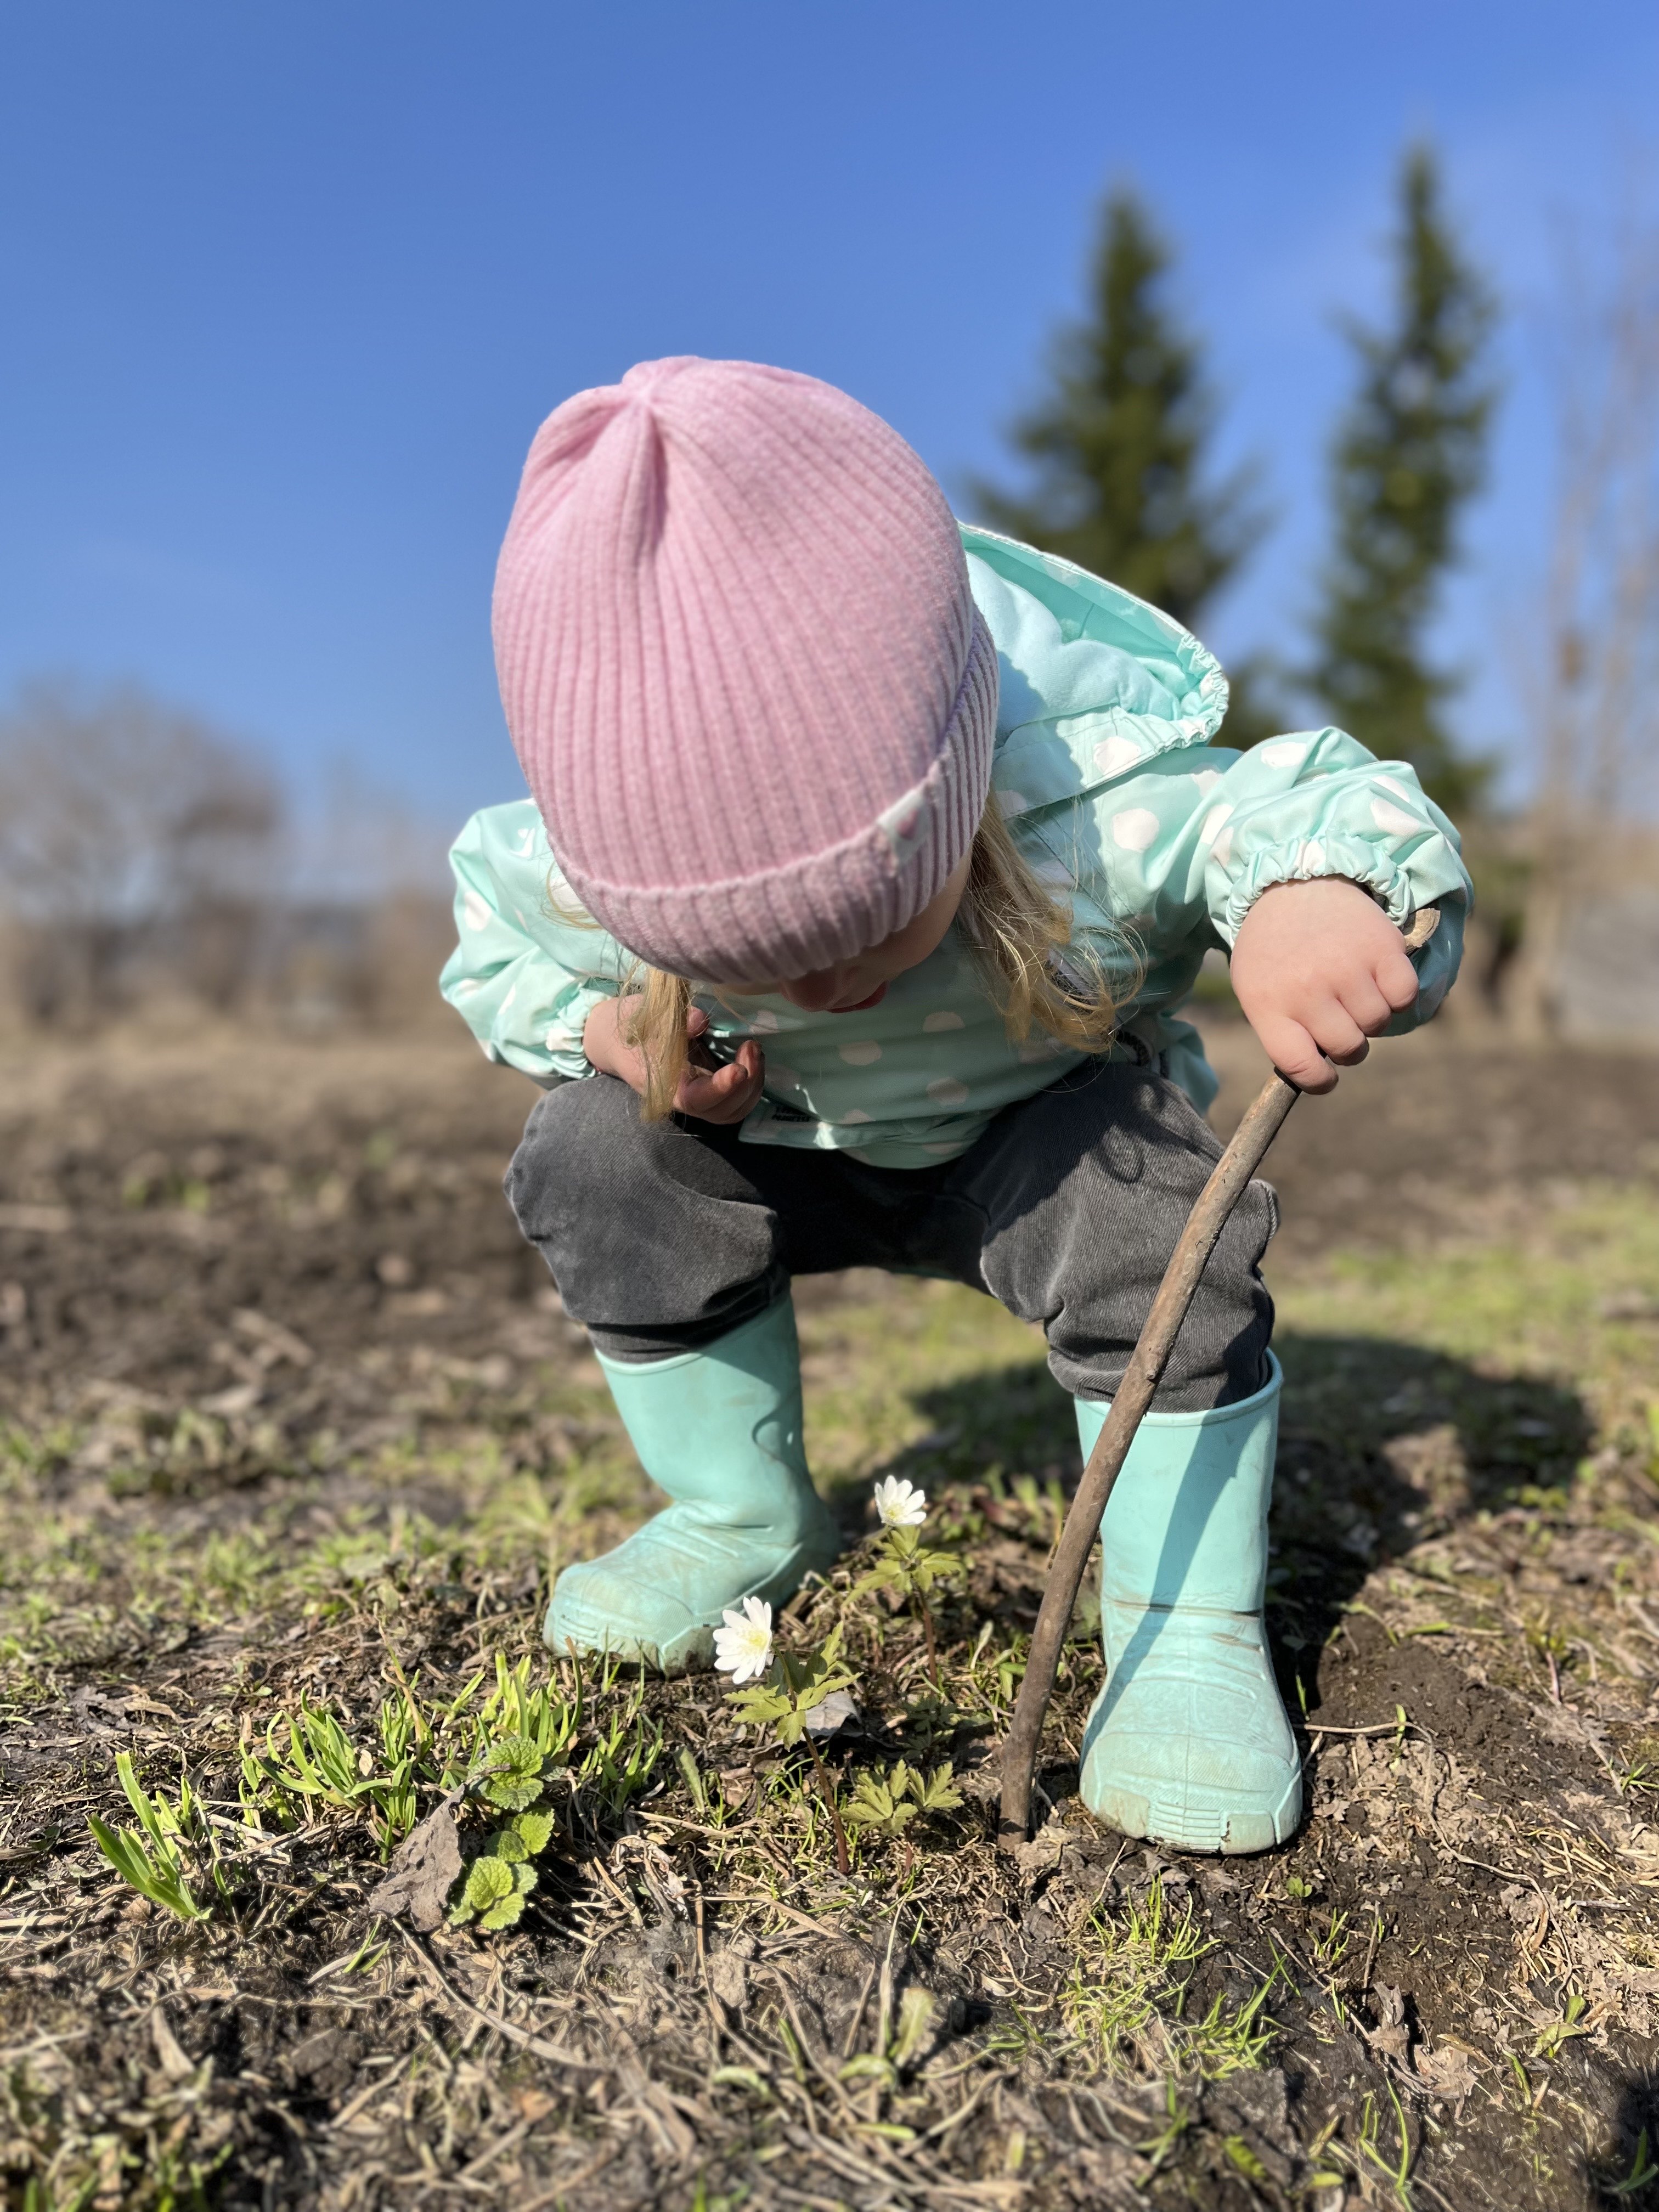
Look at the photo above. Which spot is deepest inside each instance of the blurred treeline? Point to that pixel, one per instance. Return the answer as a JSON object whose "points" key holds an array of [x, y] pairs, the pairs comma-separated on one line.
{"points": [[1566, 934], [147, 859], [149, 863]]}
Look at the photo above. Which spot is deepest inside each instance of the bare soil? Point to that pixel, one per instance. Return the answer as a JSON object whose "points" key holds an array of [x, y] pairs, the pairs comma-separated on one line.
{"points": [[290, 1411]]}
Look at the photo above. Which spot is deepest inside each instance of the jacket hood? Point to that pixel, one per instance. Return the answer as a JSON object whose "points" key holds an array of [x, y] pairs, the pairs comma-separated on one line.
{"points": [[1094, 682]]}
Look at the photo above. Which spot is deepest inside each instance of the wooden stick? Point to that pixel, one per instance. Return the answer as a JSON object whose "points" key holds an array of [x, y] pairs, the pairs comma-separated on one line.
{"points": [[1232, 1172]]}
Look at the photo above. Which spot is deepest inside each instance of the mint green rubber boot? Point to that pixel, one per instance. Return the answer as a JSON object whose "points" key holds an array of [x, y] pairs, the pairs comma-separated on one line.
{"points": [[1189, 1744], [719, 1430]]}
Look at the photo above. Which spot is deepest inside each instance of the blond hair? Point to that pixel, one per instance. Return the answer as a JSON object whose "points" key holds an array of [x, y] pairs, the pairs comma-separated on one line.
{"points": [[1014, 930]]}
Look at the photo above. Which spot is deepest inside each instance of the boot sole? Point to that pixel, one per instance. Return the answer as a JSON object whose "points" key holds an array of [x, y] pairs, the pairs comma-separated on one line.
{"points": [[1229, 1831]]}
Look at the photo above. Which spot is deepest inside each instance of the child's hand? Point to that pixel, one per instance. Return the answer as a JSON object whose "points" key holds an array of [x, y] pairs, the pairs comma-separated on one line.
{"points": [[721, 1094], [1318, 968]]}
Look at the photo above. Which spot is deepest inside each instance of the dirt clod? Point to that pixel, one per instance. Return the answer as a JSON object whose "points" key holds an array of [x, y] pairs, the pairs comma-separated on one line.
{"points": [[424, 1868]]}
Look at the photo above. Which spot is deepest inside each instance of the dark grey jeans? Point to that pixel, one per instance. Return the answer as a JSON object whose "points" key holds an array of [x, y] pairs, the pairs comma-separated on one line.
{"points": [[662, 1237]]}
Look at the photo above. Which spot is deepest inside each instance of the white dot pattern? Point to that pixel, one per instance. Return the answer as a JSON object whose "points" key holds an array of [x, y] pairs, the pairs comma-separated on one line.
{"points": [[1117, 754], [1394, 819]]}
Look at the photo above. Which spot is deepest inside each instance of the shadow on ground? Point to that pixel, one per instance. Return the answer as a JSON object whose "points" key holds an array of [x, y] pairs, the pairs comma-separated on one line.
{"points": [[1381, 1445], [1396, 1457]]}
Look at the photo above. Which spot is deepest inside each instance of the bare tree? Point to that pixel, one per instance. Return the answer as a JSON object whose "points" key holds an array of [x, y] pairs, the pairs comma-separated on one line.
{"points": [[1595, 692], [129, 831]]}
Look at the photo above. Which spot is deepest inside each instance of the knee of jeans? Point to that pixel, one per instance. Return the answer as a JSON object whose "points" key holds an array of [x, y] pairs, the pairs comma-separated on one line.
{"points": [[571, 1157], [1253, 1223]]}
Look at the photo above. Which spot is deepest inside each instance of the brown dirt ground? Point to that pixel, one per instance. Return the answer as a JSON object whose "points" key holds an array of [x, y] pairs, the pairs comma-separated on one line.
{"points": [[255, 1290]]}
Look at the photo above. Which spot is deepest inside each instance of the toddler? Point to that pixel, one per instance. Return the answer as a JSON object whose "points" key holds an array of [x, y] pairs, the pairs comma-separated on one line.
{"points": [[868, 861]]}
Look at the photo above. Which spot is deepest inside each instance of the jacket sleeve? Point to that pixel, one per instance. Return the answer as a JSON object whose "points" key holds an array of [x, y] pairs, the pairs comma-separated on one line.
{"points": [[523, 978], [1188, 844], [1318, 804]]}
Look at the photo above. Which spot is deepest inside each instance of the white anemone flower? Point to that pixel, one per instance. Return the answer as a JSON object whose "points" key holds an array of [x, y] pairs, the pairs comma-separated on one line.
{"points": [[743, 1647], [900, 1504]]}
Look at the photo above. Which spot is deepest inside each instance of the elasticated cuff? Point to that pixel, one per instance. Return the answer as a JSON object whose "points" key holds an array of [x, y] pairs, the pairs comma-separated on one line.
{"points": [[1308, 860]]}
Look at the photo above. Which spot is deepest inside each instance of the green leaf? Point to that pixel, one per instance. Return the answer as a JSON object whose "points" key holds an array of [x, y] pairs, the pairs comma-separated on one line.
{"points": [[156, 1875], [489, 1880], [136, 1796], [868, 2066], [798, 1684], [510, 1846], [740, 2077], [909, 1568], [930, 1567], [937, 1793], [515, 1775], [694, 1782], [536, 1830], [1246, 2159], [759, 1706], [880, 1804], [886, 1574], [504, 1914], [915, 2019]]}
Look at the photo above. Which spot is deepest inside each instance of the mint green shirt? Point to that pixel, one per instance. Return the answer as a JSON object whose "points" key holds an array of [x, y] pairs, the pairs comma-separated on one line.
{"points": [[1158, 842]]}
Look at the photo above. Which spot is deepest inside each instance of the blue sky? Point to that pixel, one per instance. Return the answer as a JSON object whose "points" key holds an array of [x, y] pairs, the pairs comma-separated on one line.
{"points": [[287, 290]]}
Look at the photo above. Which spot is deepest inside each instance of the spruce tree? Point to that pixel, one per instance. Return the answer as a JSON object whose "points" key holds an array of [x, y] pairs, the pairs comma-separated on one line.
{"points": [[1408, 456], [1117, 446]]}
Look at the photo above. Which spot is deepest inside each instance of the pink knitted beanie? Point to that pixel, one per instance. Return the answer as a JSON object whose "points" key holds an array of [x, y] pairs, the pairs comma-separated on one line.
{"points": [[749, 690]]}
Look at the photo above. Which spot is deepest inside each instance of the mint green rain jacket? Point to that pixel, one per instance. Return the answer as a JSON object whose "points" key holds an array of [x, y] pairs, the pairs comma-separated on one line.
{"points": [[1157, 840]]}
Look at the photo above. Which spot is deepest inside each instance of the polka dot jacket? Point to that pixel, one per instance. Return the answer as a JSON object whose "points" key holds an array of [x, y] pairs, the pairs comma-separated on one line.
{"points": [[1157, 840]]}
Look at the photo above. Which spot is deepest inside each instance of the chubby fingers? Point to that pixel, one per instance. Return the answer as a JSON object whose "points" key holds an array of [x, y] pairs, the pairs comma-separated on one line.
{"points": [[1318, 968], [1367, 995], [724, 1094], [1311, 1042], [1307, 1053], [1396, 979]]}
